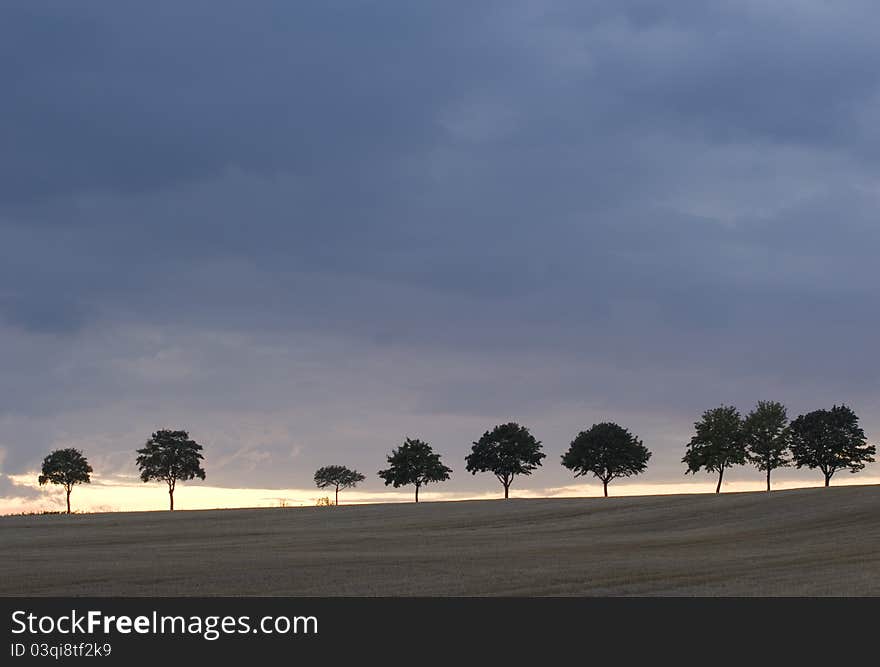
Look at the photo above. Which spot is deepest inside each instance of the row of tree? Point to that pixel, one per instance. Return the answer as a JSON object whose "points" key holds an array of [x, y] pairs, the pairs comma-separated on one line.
{"points": [[168, 456], [830, 440], [606, 450]]}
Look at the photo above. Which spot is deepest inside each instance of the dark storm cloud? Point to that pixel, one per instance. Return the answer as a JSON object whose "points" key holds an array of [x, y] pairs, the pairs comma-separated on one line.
{"points": [[131, 99], [635, 206]]}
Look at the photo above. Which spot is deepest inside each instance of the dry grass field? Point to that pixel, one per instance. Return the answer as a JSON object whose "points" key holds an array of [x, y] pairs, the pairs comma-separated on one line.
{"points": [[803, 542]]}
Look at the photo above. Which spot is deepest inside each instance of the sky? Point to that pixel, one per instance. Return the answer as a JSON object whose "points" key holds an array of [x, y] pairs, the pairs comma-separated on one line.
{"points": [[306, 231]]}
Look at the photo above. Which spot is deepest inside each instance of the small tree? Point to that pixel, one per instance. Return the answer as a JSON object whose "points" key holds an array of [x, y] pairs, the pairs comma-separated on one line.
{"points": [[608, 451], [338, 477], [767, 437], [830, 440], [66, 467], [718, 443], [506, 451], [170, 456], [414, 462]]}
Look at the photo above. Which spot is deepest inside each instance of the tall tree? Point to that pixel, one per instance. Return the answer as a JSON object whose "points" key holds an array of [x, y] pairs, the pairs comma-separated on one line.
{"points": [[338, 477], [506, 451], [717, 444], [414, 462], [66, 467], [767, 436], [608, 451], [170, 457], [830, 440]]}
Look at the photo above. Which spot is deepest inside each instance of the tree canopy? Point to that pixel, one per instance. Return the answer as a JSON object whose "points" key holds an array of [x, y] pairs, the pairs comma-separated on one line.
{"points": [[717, 444], [767, 437], [170, 457], [608, 451], [414, 462], [66, 467], [338, 477], [830, 440], [506, 451]]}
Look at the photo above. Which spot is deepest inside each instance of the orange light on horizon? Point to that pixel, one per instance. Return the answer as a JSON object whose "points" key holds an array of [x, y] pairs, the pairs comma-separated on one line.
{"points": [[122, 495]]}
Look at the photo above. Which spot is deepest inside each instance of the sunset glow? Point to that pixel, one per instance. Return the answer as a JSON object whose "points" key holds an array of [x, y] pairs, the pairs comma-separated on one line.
{"points": [[127, 495]]}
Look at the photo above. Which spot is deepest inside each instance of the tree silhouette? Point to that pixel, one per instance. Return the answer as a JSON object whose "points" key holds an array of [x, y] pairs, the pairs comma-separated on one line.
{"points": [[66, 467], [506, 451], [170, 456], [338, 477], [830, 440], [608, 451], [767, 437], [414, 462], [718, 443]]}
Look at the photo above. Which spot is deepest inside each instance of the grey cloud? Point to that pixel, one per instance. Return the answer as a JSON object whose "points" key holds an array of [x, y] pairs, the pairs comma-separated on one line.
{"points": [[9, 489], [515, 208]]}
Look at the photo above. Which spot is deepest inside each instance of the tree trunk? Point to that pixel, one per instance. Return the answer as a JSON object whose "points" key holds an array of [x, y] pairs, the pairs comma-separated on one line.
{"points": [[827, 479], [171, 497], [605, 486], [417, 493], [720, 477], [506, 490], [337, 496], [768, 480], [68, 500]]}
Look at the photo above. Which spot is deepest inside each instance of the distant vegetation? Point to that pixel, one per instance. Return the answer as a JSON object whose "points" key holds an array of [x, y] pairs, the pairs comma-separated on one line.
{"points": [[170, 457], [828, 440], [66, 467], [767, 437], [506, 451], [608, 451], [414, 462], [718, 443], [338, 477]]}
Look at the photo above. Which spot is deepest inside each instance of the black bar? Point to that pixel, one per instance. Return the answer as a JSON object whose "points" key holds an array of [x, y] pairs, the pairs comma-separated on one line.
{"points": [[398, 630]]}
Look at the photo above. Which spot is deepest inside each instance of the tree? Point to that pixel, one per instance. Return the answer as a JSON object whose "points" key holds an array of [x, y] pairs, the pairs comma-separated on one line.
{"points": [[608, 451], [718, 443], [67, 467], [506, 451], [414, 462], [767, 437], [339, 477], [830, 440], [170, 457]]}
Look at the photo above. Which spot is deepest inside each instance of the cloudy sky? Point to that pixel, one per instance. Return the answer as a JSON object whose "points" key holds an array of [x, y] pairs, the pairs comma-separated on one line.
{"points": [[303, 231]]}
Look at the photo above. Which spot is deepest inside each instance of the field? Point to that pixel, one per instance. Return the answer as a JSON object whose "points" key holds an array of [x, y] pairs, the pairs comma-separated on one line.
{"points": [[802, 542]]}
